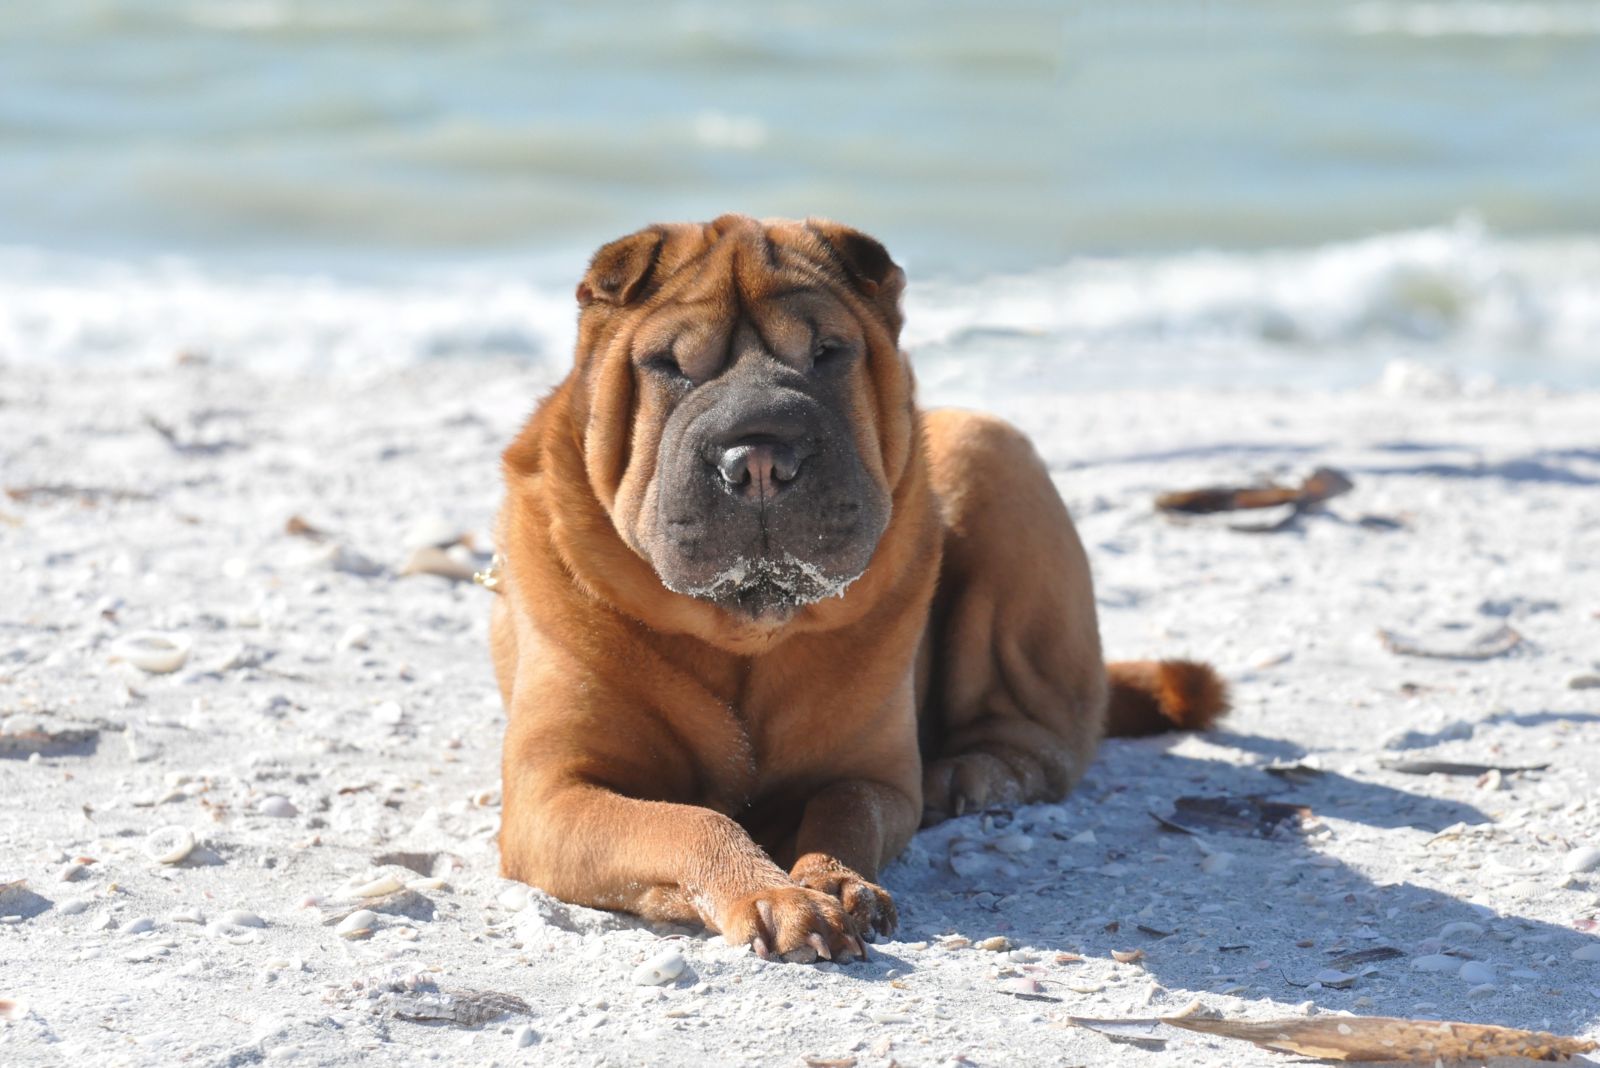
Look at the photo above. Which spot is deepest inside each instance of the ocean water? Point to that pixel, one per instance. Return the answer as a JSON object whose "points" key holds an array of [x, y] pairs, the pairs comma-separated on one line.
{"points": [[1084, 194]]}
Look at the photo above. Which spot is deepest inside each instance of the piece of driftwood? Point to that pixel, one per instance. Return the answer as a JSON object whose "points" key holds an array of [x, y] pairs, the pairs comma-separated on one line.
{"points": [[1448, 767], [1321, 485], [1387, 1039], [1146, 1034]]}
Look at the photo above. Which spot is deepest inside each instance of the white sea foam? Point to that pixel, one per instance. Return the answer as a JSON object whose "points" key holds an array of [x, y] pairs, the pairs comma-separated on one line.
{"points": [[1429, 286], [57, 310], [1446, 293], [1476, 19]]}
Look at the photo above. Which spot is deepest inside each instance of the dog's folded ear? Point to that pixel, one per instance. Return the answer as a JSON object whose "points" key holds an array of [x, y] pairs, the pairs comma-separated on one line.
{"points": [[621, 270], [866, 264]]}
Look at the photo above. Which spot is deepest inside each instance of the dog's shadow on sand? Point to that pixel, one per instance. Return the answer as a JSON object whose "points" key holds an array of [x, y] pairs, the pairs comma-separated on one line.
{"points": [[1264, 920]]}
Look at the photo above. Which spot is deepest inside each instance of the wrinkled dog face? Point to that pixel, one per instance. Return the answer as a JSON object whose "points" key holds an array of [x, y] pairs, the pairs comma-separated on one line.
{"points": [[761, 499], [755, 477]]}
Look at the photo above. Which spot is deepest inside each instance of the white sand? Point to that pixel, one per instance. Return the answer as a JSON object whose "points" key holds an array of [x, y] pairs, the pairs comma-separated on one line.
{"points": [[394, 747]]}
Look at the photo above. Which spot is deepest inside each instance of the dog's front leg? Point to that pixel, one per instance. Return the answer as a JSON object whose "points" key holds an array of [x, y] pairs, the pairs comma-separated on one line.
{"points": [[847, 832], [593, 846]]}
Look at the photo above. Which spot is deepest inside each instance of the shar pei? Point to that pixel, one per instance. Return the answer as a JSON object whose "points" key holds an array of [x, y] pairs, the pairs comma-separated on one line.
{"points": [[761, 616]]}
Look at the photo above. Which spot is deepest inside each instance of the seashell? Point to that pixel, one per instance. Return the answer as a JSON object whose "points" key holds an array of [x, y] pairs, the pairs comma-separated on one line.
{"points": [[276, 806], [12, 1008], [660, 969], [1476, 972], [157, 654], [513, 898], [1588, 952], [190, 915], [523, 1037], [1582, 860], [967, 865], [1012, 844], [356, 636], [434, 532], [241, 918], [383, 884], [358, 924], [336, 557], [1462, 927], [432, 560], [169, 845], [997, 944], [1334, 979], [1435, 962], [137, 926], [389, 712]]}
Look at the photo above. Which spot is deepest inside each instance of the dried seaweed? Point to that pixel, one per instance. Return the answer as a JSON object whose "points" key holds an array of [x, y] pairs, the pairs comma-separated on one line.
{"points": [[1365, 956], [88, 495], [48, 736], [461, 1007]]}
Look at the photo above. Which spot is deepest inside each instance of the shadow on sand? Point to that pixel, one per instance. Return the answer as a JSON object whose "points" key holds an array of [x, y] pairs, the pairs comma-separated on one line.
{"points": [[1282, 909]]}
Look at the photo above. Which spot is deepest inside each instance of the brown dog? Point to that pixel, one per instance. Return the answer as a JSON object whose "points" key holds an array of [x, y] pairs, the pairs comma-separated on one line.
{"points": [[761, 616]]}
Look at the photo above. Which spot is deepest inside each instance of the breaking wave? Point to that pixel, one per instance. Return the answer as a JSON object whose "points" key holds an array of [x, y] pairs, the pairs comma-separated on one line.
{"points": [[1449, 290]]}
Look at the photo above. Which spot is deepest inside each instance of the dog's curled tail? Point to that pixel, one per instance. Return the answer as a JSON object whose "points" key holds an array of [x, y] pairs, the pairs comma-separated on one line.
{"points": [[1152, 696]]}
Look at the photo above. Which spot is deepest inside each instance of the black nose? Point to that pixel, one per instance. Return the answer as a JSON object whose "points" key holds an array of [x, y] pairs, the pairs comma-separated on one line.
{"points": [[759, 469]]}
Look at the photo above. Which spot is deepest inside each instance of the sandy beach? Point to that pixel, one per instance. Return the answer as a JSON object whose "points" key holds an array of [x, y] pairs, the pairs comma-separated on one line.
{"points": [[330, 743]]}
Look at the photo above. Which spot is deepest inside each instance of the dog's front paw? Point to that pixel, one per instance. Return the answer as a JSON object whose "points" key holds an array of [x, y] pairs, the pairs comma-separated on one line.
{"points": [[867, 903], [792, 922]]}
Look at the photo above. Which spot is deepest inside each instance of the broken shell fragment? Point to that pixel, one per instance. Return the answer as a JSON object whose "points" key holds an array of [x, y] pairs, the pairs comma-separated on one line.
{"points": [[157, 654], [169, 845]]}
